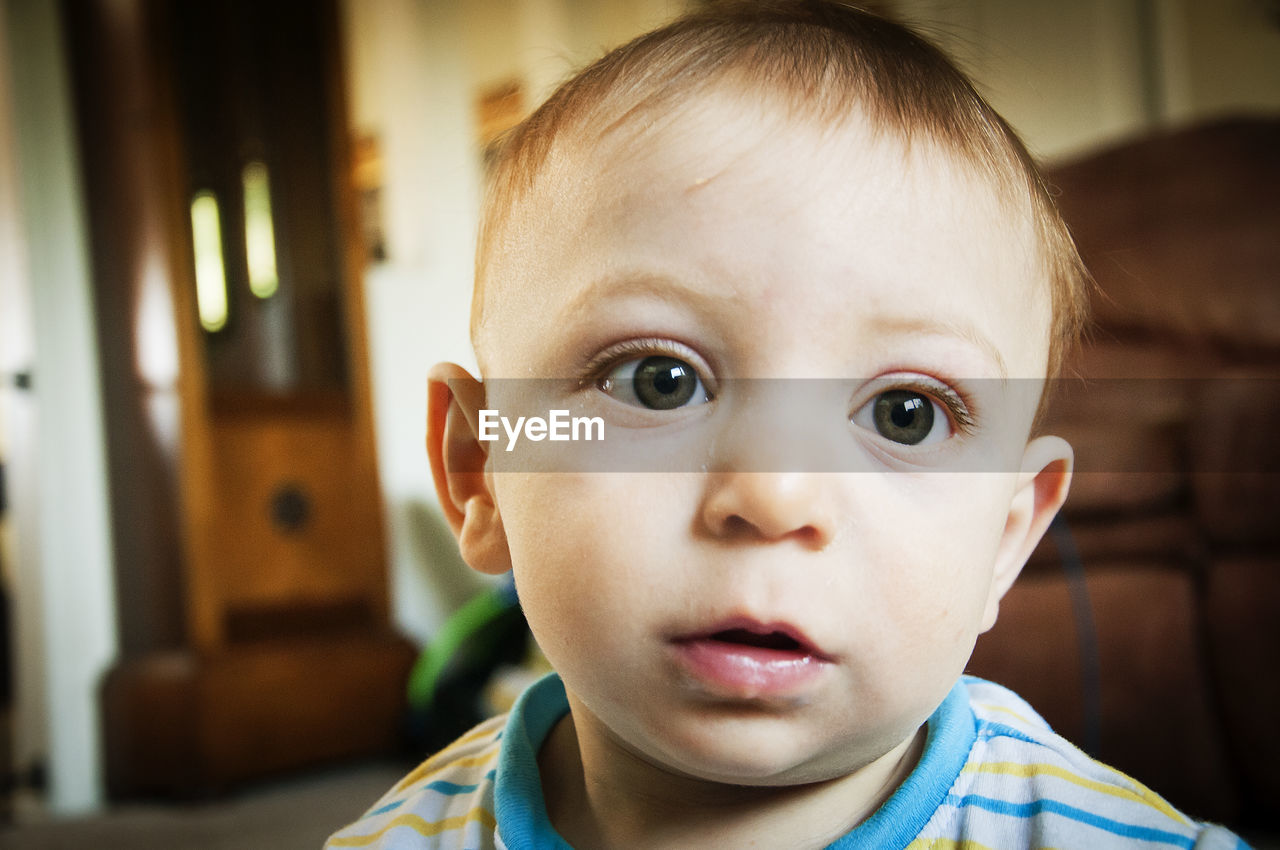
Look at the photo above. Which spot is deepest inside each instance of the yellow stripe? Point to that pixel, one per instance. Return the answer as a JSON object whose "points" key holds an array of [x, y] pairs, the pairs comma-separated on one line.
{"points": [[1004, 710], [420, 826], [433, 764], [1138, 792], [1150, 797], [945, 844]]}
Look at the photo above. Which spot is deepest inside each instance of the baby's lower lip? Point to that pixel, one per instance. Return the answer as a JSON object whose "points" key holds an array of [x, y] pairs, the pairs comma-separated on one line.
{"points": [[743, 671]]}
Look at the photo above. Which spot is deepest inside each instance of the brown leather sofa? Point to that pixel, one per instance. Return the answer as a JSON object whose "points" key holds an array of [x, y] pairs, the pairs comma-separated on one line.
{"points": [[1149, 631]]}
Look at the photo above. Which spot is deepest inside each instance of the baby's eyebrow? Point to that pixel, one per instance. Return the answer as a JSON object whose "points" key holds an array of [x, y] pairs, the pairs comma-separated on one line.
{"points": [[658, 285], [647, 283], [909, 325]]}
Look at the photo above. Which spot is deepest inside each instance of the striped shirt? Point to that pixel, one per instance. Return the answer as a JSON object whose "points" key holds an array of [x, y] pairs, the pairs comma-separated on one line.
{"points": [[992, 775]]}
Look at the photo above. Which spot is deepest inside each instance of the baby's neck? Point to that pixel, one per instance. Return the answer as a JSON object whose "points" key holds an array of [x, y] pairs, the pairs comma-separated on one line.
{"points": [[601, 796]]}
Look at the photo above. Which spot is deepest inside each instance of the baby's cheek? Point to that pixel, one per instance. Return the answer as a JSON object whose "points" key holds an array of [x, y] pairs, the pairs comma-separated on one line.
{"points": [[935, 574], [577, 566], [940, 617]]}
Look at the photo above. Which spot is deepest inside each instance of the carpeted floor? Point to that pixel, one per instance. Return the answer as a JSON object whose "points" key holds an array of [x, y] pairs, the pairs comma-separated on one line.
{"points": [[297, 814]]}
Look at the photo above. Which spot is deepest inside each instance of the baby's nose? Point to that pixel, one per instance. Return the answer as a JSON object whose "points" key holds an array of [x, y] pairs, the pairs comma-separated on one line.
{"points": [[770, 506]]}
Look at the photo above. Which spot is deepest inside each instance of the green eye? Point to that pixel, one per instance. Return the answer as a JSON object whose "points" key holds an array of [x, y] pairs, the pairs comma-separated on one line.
{"points": [[658, 382], [907, 417], [664, 383]]}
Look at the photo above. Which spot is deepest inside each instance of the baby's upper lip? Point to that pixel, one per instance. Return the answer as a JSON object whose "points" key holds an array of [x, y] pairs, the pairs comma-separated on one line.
{"points": [[782, 633]]}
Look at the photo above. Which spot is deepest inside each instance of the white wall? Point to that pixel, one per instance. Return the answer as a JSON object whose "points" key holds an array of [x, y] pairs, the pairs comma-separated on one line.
{"points": [[1221, 56], [1066, 75], [66, 626], [541, 42], [1073, 76]]}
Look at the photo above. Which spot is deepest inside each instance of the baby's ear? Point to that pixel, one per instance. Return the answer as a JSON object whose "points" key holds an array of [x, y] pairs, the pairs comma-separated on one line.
{"points": [[454, 399], [1042, 487]]}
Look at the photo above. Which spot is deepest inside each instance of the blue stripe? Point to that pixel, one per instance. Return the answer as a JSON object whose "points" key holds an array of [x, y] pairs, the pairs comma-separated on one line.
{"points": [[440, 786], [449, 788], [388, 807], [990, 729], [1030, 810]]}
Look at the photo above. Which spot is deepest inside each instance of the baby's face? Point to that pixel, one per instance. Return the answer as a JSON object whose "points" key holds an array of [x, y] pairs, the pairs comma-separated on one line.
{"points": [[782, 626]]}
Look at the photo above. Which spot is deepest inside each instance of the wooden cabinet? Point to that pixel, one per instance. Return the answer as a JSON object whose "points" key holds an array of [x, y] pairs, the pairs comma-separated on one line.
{"points": [[250, 566]]}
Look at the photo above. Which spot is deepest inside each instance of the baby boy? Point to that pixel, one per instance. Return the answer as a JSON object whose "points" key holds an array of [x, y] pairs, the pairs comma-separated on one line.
{"points": [[751, 651]]}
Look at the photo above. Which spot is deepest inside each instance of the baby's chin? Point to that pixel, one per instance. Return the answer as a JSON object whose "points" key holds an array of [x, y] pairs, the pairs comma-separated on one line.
{"points": [[764, 758]]}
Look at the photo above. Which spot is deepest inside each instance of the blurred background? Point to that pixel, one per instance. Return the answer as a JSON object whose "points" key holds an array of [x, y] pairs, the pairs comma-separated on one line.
{"points": [[234, 235]]}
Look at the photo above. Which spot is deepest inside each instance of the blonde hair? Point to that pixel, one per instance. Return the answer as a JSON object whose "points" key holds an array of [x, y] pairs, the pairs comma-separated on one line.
{"points": [[824, 59]]}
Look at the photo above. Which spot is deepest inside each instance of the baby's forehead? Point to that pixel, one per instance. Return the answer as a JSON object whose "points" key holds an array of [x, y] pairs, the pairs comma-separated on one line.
{"points": [[719, 178], [729, 126], [721, 122], [761, 149]]}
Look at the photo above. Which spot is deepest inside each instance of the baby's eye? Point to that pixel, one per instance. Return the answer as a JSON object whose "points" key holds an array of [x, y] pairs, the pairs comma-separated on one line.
{"points": [[657, 382], [905, 416]]}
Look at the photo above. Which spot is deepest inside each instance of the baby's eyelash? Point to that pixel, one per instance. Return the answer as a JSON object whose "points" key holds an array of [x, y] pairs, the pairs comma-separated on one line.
{"points": [[599, 366]]}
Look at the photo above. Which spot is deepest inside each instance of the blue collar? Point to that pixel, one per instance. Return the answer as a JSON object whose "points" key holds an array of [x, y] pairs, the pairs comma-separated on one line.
{"points": [[522, 812]]}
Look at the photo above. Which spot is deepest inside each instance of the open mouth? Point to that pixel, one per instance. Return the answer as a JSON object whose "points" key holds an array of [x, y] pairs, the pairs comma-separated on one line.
{"points": [[749, 635], [747, 659], [771, 640]]}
